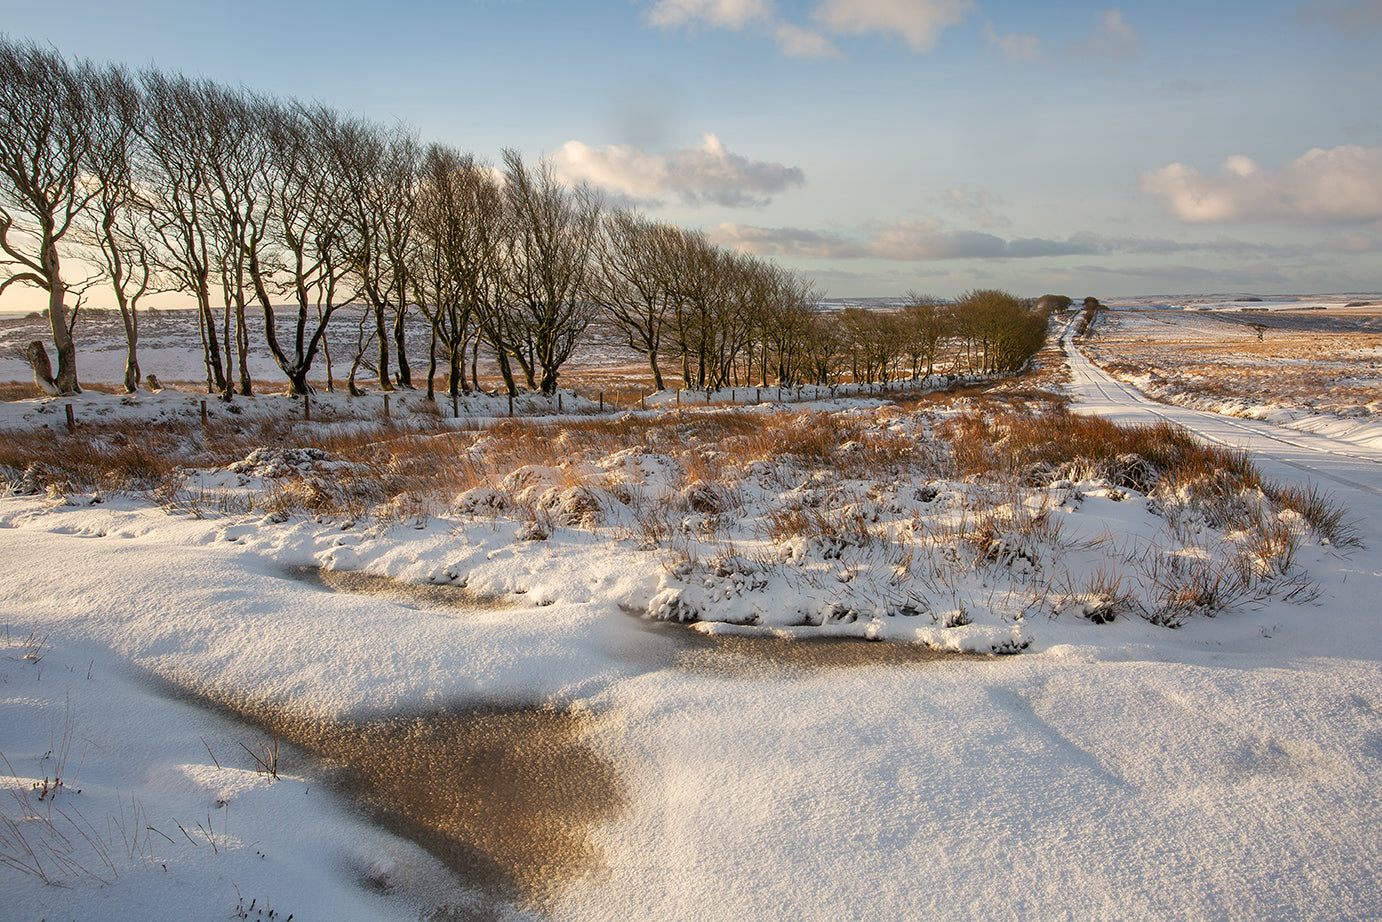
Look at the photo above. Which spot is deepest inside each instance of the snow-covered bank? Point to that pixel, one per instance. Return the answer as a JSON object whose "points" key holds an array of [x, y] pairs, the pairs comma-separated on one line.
{"points": [[1221, 770]]}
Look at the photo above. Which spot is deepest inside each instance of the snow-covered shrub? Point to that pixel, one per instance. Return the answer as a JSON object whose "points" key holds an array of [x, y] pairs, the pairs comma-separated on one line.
{"points": [[1101, 597], [706, 498], [482, 501], [528, 483], [280, 462], [574, 506], [1326, 518], [538, 527]]}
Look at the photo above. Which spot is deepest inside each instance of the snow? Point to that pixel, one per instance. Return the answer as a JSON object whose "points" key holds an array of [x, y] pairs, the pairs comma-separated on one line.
{"points": [[1313, 368], [1229, 768]]}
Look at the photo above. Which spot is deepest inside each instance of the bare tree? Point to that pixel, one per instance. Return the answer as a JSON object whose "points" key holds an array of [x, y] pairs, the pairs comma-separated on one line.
{"points": [[242, 203], [1000, 333], [456, 266], [309, 225], [119, 229], [926, 322], [787, 325], [874, 341], [632, 281], [395, 206], [181, 189], [822, 348], [552, 231], [379, 169], [700, 277], [46, 114]]}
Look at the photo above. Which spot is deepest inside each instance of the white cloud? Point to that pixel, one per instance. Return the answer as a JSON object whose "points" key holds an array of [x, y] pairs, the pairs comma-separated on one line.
{"points": [[927, 241], [720, 14], [901, 241], [803, 43], [785, 241], [924, 241], [1015, 46], [1112, 38], [1338, 186], [697, 175], [918, 22]]}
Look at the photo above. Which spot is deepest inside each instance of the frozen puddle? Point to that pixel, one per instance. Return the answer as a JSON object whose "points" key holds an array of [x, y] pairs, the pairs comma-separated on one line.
{"points": [[748, 653], [423, 595], [503, 796], [741, 655], [506, 796]]}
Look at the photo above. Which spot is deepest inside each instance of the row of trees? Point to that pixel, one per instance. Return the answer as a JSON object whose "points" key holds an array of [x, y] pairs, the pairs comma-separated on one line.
{"points": [[248, 203]]}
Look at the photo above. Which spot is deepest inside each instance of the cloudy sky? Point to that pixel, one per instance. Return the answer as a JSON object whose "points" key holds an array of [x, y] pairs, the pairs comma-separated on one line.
{"points": [[878, 146]]}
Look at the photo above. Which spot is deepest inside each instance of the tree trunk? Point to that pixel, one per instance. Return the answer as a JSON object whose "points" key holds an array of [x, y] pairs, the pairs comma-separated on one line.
{"points": [[455, 374], [131, 348], [215, 374], [326, 354], [37, 357], [506, 372], [65, 381], [382, 332], [242, 348], [657, 372], [432, 367], [405, 375]]}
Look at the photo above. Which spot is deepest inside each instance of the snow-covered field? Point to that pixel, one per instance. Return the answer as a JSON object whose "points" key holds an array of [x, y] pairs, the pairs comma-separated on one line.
{"points": [[170, 349], [1310, 365], [765, 763]]}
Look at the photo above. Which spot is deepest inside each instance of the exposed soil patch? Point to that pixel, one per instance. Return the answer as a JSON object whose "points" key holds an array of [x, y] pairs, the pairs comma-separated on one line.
{"points": [[424, 595], [737, 655], [746, 655]]}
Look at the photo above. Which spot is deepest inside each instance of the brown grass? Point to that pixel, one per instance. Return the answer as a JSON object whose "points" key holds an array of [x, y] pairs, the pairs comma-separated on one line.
{"points": [[1026, 444], [1300, 363]]}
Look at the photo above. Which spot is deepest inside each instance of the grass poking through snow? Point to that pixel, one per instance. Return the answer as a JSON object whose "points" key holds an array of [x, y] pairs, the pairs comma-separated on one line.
{"points": [[951, 523]]}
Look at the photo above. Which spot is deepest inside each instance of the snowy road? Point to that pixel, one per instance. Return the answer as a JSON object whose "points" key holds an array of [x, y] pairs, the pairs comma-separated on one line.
{"points": [[1284, 454]]}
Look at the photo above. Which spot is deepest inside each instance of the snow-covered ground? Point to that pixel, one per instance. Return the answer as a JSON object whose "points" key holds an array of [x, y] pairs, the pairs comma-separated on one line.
{"points": [[1226, 769], [1309, 365]]}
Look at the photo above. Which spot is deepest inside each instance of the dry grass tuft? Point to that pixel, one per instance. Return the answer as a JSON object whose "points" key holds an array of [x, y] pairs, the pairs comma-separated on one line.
{"points": [[1326, 518]]}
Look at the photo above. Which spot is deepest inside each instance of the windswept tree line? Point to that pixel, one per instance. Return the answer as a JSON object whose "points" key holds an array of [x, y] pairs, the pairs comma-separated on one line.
{"points": [[248, 203]]}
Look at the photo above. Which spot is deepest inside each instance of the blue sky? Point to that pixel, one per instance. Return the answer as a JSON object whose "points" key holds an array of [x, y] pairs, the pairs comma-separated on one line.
{"points": [[877, 146]]}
